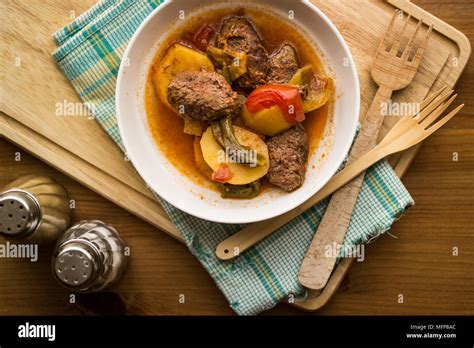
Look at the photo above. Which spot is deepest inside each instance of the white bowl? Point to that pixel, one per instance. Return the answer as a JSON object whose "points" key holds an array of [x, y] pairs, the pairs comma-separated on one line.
{"points": [[176, 188]]}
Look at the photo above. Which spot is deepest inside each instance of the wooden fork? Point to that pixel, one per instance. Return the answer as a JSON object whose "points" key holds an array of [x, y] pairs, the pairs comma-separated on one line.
{"points": [[409, 131], [391, 73]]}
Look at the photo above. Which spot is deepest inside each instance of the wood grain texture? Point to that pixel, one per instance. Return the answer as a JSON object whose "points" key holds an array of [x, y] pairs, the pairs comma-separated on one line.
{"points": [[25, 54], [317, 267], [143, 206], [390, 72], [419, 264]]}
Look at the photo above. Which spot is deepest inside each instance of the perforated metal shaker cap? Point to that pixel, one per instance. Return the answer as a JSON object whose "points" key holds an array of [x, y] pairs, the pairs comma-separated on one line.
{"points": [[20, 214], [77, 265]]}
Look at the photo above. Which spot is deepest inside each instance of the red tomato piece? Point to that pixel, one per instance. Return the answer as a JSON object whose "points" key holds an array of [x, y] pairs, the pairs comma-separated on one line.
{"points": [[223, 174], [287, 98]]}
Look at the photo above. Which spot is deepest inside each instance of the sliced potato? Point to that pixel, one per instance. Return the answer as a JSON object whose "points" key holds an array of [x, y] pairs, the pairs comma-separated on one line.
{"points": [[214, 155], [178, 58], [269, 121], [199, 159], [317, 88]]}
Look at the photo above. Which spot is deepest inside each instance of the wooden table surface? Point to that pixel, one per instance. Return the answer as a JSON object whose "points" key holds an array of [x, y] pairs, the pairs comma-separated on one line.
{"points": [[416, 260]]}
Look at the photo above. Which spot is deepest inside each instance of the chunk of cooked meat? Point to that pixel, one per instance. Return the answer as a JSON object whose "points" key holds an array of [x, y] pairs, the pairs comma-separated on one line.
{"points": [[203, 95], [283, 64], [238, 35], [288, 153]]}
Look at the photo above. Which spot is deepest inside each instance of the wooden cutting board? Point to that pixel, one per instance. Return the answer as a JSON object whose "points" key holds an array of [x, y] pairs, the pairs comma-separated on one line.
{"points": [[81, 149]]}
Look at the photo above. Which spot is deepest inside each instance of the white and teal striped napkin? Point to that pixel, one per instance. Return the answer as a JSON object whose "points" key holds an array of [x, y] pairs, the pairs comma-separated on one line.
{"points": [[89, 54]]}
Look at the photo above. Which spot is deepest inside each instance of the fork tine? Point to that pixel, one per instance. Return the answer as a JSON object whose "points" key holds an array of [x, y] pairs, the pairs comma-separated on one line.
{"points": [[436, 113], [421, 50], [406, 122], [409, 47], [443, 121], [433, 105], [432, 97], [396, 44], [384, 43]]}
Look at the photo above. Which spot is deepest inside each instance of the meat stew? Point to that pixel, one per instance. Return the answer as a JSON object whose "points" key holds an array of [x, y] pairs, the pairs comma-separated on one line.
{"points": [[236, 109]]}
